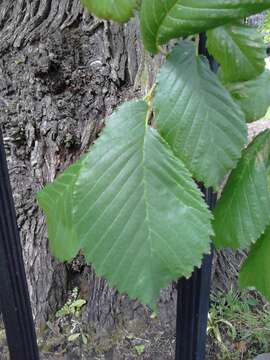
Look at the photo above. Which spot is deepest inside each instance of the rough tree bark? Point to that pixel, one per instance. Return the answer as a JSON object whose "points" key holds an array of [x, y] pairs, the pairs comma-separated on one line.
{"points": [[61, 72]]}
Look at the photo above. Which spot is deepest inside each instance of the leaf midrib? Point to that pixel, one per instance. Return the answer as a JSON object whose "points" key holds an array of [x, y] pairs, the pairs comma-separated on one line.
{"points": [[145, 194]]}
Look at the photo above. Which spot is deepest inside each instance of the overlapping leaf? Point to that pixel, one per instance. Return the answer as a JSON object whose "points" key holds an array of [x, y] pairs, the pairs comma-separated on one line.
{"points": [[168, 19], [197, 116], [239, 49], [252, 96], [118, 10], [255, 271], [57, 203], [243, 212], [132, 206]]}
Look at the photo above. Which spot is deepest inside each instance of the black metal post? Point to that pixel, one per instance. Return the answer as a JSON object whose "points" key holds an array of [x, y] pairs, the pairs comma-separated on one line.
{"points": [[14, 298], [194, 293]]}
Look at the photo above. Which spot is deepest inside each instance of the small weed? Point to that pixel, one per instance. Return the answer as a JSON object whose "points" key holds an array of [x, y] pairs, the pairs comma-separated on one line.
{"points": [[69, 315], [73, 306], [140, 349], [238, 325], [265, 27], [80, 335]]}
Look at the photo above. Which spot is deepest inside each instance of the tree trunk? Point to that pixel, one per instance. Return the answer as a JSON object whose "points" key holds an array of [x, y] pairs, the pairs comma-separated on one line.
{"points": [[61, 72]]}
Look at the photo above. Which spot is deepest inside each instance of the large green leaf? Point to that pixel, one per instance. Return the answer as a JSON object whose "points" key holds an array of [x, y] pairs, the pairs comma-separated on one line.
{"points": [[168, 19], [197, 116], [243, 212], [255, 271], [118, 10], [253, 96], [239, 49], [134, 208]]}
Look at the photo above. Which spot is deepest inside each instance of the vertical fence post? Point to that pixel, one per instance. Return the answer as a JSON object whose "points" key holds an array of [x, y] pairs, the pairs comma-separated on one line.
{"points": [[14, 298], [194, 293]]}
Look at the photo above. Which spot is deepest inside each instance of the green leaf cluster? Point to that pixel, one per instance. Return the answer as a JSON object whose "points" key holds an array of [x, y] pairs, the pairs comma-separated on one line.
{"points": [[132, 203], [127, 203]]}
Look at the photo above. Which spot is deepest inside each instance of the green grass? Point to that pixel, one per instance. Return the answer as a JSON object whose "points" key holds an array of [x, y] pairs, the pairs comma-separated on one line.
{"points": [[238, 326]]}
